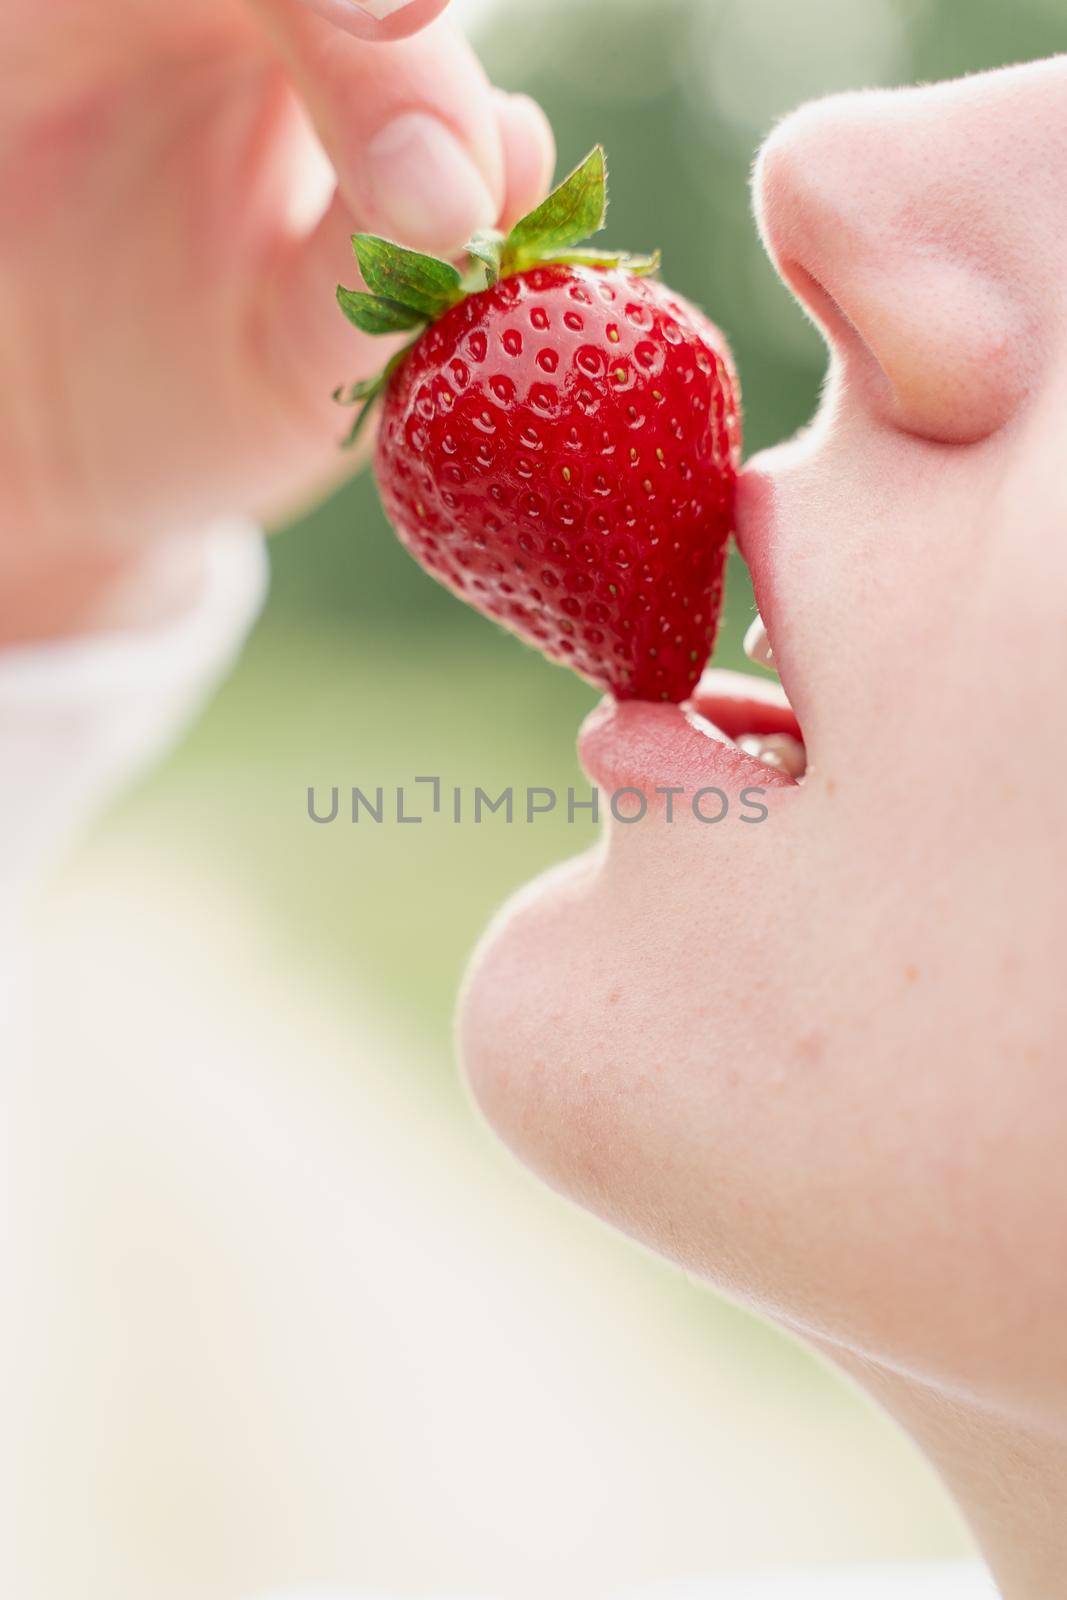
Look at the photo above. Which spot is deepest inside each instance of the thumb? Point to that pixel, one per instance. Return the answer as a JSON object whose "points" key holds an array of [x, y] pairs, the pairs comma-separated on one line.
{"points": [[410, 128], [425, 152]]}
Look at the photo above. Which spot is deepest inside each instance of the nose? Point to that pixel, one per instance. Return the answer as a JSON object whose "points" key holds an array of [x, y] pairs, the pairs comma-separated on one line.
{"points": [[915, 228]]}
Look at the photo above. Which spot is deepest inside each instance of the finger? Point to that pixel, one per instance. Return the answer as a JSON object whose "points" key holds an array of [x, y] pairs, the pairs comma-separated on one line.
{"points": [[304, 327], [411, 128], [313, 348], [529, 154], [380, 20], [309, 349]]}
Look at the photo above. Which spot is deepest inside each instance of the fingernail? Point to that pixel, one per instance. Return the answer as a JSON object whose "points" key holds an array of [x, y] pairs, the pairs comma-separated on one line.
{"points": [[424, 188], [380, 9], [757, 646]]}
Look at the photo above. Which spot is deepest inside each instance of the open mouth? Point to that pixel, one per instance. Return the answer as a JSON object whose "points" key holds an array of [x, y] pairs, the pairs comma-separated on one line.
{"points": [[736, 732], [753, 713], [768, 721]]}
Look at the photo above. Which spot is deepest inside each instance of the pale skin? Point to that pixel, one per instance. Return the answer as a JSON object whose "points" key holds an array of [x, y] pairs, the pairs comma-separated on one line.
{"points": [[168, 332], [821, 1062]]}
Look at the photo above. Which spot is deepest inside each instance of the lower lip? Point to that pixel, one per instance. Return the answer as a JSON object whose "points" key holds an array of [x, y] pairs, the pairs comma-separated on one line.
{"points": [[635, 744]]}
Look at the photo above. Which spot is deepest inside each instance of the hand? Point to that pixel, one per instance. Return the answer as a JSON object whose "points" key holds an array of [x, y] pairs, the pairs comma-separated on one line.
{"points": [[169, 332]]}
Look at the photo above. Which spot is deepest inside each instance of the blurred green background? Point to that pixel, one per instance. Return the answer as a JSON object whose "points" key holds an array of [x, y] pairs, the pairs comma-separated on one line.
{"points": [[362, 671]]}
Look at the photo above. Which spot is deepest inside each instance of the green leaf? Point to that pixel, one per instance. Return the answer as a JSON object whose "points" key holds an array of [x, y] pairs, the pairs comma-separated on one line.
{"points": [[423, 283], [640, 265], [573, 211], [487, 247], [372, 313]]}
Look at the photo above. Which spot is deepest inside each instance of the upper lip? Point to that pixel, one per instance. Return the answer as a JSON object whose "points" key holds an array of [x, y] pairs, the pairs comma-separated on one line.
{"points": [[756, 527], [765, 490]]}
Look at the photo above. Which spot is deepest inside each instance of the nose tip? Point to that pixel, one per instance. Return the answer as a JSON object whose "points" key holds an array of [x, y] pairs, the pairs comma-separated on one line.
{"points": [[886, 243]]}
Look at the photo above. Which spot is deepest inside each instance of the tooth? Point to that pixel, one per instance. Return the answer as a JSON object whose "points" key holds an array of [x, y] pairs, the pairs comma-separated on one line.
{"points": [[778, 750], [757, 646]]}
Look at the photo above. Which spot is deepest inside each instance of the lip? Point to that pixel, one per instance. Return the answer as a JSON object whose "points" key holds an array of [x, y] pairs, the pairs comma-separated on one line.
{"points": [[769, 489], [758, 521], [755, 518], [641, 745]]}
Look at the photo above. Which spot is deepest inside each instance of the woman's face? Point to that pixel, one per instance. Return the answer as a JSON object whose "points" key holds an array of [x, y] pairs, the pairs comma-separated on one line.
{"points": [[819, 1058]]}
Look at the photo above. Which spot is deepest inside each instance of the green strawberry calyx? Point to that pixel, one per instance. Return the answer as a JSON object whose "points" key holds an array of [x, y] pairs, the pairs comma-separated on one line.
{"points": [[406, 291]]}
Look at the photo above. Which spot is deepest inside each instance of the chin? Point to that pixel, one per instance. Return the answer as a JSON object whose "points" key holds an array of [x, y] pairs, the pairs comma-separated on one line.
{"points": [[527, 1001], [589, 1001], [657, 1052]]}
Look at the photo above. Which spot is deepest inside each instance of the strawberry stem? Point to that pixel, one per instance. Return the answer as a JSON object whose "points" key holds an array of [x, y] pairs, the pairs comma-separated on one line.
{"points": [[406, 290]]}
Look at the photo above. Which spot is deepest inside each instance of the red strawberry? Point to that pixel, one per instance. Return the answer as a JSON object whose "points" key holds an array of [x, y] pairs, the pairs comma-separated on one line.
{"points": [[559, 446]]}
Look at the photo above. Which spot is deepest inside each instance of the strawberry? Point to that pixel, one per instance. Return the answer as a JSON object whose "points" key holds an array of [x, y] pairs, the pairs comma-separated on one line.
{"points": [[559, 442]]}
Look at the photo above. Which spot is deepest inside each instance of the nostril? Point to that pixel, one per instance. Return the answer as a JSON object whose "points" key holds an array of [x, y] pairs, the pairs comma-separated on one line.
{"points": [[920, 296], [823, 307], [938, 348]]}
